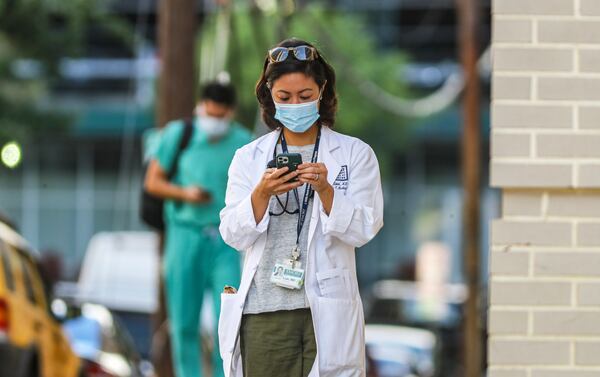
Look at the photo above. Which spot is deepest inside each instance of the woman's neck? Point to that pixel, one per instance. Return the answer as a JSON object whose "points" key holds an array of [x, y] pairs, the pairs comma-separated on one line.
{"points": [[300, 139]]}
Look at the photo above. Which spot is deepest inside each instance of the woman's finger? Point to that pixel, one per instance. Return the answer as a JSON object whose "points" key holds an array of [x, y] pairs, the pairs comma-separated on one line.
{"points": [[318, 167], [309, 170], [306, 165], [308, 173], [282, 189], [279, 172], [321, 164], [310, 180], [283, 179]]}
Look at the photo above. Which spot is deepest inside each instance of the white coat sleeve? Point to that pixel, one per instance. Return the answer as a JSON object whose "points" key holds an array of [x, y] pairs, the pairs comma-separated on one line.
{"points": [[238, 226], [357, 215]]}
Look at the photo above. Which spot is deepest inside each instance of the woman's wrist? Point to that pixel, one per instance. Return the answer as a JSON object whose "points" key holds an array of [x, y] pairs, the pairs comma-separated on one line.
{"points": [[327, 190], [260, 203], [259, 194], [326, 196]]}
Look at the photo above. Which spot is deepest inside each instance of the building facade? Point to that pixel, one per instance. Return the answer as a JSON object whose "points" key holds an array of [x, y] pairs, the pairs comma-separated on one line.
{"points": [[544, 314]]}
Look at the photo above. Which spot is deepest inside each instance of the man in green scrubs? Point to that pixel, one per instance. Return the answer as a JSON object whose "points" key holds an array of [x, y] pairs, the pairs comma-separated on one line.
{"points": [[196, 258]]}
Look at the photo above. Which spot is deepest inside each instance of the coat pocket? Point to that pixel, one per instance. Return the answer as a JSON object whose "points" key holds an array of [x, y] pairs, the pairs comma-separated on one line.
{"points": [[340, 337], [334, 283], [228, 324]]}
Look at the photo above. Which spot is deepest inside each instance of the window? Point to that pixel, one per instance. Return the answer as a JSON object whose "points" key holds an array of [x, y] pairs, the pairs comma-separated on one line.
{"points": [[27, 278], [8, 273]]}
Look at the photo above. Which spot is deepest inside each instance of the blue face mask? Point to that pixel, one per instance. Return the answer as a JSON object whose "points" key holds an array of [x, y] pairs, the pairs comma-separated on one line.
{"points": [[297, 117]]}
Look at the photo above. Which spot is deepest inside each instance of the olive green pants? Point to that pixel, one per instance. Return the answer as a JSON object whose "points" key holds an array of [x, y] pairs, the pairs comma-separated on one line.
{"points": [[278, 344]]}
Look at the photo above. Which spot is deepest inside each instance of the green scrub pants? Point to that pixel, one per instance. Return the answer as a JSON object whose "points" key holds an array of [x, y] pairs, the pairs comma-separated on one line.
{"points": [[196, 259]]}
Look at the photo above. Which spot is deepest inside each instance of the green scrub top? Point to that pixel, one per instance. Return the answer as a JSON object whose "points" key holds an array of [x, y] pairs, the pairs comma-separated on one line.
{"points": [[150, 143], [203, 164]]}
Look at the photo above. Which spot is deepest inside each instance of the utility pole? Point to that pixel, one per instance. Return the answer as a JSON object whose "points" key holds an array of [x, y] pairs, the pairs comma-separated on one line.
{"points": [[468, 33], [176, 40], [177, 27]]}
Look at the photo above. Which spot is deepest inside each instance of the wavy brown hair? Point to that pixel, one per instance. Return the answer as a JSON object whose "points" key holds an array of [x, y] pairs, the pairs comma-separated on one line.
{"points": [[318, 69]]}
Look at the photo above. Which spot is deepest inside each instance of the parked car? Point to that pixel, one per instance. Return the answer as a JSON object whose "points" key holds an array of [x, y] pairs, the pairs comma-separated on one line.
{"points": [[402, 303], [120, 271], [397, 301], [32, 342], [398, 351], [100, 340]]}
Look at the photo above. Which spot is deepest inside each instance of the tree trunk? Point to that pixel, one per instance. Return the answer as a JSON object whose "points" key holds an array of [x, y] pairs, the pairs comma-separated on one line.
{"points": [[177, 25]]}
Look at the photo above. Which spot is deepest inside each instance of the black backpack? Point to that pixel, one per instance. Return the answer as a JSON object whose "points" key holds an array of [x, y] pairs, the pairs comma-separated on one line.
{"points": [[152, 207]]}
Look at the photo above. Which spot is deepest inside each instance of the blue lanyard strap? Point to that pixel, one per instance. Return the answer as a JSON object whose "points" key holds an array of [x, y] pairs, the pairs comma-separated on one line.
{"points": [[309, 192]]}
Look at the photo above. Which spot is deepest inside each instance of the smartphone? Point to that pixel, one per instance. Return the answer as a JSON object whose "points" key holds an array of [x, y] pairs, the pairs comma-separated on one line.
{"points": [[291, 160]]}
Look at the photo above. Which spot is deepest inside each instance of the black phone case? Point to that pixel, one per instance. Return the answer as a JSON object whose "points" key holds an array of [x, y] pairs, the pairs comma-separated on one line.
{"points": [[291, 160]]}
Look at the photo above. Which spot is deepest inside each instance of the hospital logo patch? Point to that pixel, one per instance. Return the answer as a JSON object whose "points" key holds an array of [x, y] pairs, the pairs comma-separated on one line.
{"points": [[341, 181]]}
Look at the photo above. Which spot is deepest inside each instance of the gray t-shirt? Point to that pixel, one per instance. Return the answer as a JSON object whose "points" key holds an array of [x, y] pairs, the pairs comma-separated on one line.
{"points": [[263, 295]]}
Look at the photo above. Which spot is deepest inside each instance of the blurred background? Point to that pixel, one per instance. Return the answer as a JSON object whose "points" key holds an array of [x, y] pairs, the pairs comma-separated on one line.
{"points": [[80, 97]]}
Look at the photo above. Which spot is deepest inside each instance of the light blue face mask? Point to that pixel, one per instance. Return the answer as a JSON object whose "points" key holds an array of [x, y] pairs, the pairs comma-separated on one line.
{"points": [[297, 117]]}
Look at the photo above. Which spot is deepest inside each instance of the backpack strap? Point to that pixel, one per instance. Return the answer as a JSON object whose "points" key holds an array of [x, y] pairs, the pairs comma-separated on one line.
{"points": [[188, 131]]}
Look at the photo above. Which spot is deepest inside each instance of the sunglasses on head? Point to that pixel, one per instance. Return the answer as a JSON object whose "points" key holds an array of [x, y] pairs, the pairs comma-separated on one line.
{"points": [[302, 53]]}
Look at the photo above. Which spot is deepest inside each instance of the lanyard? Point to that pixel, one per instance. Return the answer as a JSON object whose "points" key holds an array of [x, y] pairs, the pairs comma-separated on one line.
{"points": [[308, 194]]}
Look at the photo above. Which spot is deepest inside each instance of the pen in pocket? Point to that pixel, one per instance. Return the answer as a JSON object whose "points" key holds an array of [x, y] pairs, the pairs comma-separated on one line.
{"points": [[228, 289]]}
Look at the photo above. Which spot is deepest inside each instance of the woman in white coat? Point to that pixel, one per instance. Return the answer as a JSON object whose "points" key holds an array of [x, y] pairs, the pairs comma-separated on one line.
{"points": [[297, 311]]}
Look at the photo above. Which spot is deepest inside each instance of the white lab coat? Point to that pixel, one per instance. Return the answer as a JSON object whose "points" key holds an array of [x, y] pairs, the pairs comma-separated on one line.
{"points": [[330, 282]]}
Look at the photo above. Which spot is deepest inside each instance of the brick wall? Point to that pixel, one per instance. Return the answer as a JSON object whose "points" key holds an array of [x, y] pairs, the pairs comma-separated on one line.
{"points": [[544, 314]]}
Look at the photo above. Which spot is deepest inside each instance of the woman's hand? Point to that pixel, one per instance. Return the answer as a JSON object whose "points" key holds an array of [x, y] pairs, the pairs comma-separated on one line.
{"points": [[273, 182], [276, 182], [315, 174]]}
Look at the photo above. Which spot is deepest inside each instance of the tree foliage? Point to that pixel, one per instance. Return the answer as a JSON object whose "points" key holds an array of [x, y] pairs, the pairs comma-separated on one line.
{"points": [[347, 44], [34, 36]]}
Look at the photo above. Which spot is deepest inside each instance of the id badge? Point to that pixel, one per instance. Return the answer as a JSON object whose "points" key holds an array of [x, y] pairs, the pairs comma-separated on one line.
{"points": [[288, 275]]}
